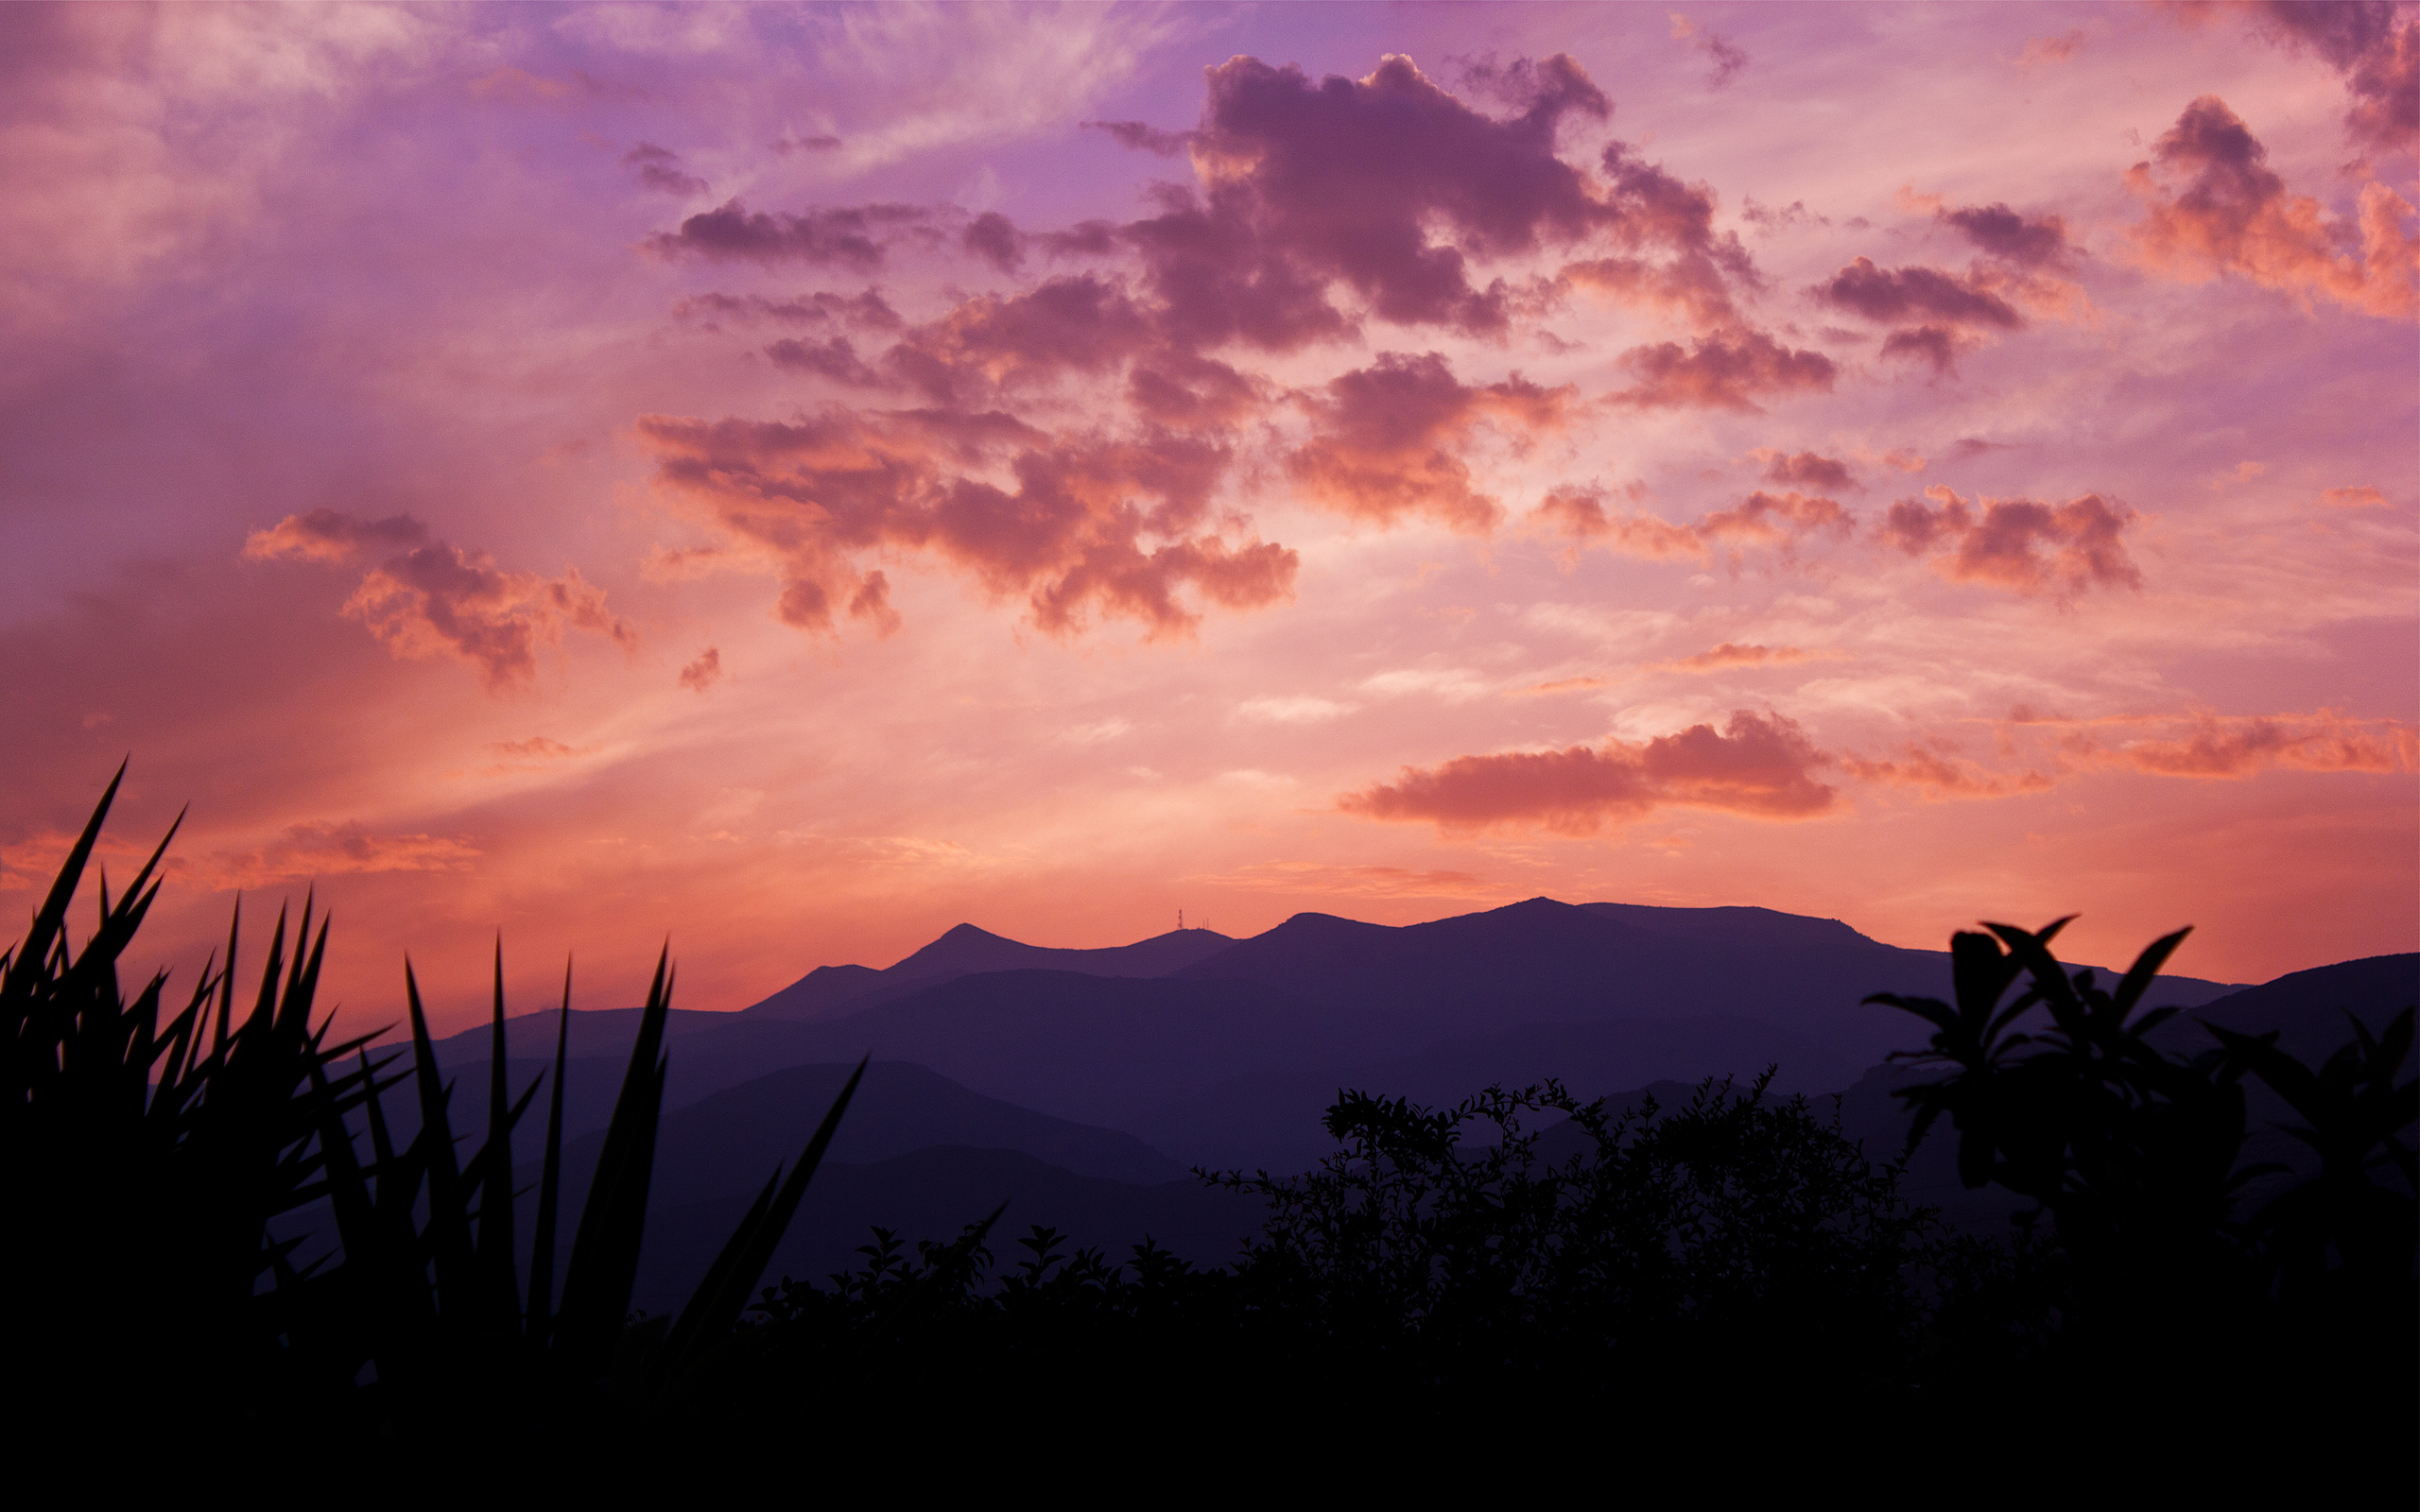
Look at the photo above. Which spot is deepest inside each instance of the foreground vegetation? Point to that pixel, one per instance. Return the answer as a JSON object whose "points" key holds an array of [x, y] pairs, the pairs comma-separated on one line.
{"points": [[1729, 1276]]}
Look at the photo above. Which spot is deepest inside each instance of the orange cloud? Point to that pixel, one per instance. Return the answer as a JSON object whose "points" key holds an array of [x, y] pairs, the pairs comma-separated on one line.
{"points": [[1728, 369], [2354, 498], [1938, 774], [1728, 655], [1090, 526], [1760, 765], [2238, 747], [700, 675], [325, 850], [1388, 438], [1784, 520], [2017, 544], [2233, 216], [436, 600]]}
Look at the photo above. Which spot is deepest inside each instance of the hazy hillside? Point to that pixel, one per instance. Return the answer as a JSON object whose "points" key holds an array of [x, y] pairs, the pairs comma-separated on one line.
{"points": [[1225, 1051]]}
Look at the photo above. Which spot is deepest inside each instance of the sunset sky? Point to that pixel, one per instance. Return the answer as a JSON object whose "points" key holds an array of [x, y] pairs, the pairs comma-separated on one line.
{"points": [[791, 480]]}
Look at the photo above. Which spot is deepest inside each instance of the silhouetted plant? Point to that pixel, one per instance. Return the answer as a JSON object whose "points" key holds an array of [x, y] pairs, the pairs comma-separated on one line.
{"points": [[2135, 1154], [147, 1164], [1738, 1222]]}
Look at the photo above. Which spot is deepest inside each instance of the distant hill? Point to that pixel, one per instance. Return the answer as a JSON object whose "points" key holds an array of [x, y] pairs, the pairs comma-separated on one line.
{"points": [[1225, 1051], [726, 1144], [965, 950]]}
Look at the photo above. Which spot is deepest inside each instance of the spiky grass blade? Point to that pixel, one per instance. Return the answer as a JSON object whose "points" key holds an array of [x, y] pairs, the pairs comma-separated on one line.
{"points": [[542, 1244], [448, 1228], [501, 1295], [605, 1248]]}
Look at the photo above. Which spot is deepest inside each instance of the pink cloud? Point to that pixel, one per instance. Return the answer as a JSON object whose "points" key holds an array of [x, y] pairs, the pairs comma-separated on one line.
{"points": [[1727, 57], [867, 310], [2353, 498], [1758, 765], [2031, 241], [2233, 216], [2238, 747], [327, 850], [1728, 655], [1785, 521], [2055, 49], [659, 168], [1387, 436], [437, 599], [2376, 45], [704, 672], [1808, 468], [1074, 535], [850, 237], [1727, 370], [1939, 773], [2017, 544]]}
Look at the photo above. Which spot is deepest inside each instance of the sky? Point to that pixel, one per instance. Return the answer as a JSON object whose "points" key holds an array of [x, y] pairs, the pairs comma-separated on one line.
{"points": [[785, 481]]}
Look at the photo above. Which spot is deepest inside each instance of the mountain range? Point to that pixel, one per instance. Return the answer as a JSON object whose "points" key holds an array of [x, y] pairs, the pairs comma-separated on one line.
{"points": [[1080, 1084]]}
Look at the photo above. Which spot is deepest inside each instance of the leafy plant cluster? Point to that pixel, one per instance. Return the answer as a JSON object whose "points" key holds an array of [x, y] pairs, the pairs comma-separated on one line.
{"points": [[150, 1155]]}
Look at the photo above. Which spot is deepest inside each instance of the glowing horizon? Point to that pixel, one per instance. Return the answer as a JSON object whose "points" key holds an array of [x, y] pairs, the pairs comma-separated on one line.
{"points": [[796, 480]]}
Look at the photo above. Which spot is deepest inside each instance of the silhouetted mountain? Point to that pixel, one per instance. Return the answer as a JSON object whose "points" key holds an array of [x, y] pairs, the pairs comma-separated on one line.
{"points": [[965, 950], [727, 1144], [2306, 1009], [1230, 1055]]}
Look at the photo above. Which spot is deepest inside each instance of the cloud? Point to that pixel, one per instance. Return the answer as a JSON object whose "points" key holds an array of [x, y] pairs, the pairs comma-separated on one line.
{"points": [[704, 672], [1560, 685], [1080, 324], [823, 142], [2354, 498], [2376, 45], [2325, 742], [1727, 370], [436, 600], [537, 747], [2233, 216], [1142, 138], [1890, 296], [1293, 711], [2017, 544], [1387, 436], [866, 311], [1785, 521], [1651, 211], [659, 168], [332, 536], [1809, 469], [327, 850], [1758, 765], [996, 239], [835, 359], [1938, 773], [1345, 181], [1088, 525], [1727, 56], [2040, 51], [1727, 655], [2037, 241], [848, 236]]}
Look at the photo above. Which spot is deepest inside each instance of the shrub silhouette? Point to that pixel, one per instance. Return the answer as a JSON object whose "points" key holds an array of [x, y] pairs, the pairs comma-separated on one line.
{"points": [[148, 1163], [2136, 1154]]}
